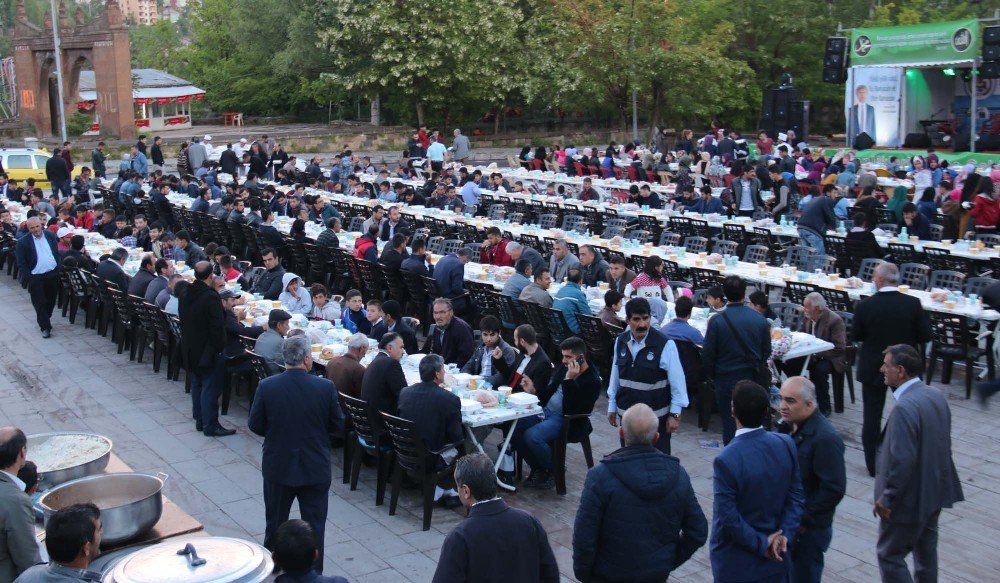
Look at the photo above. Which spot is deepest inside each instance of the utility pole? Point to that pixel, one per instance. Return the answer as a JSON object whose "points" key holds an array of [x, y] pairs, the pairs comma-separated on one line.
{"points": [[635, 93], [59, 71]]}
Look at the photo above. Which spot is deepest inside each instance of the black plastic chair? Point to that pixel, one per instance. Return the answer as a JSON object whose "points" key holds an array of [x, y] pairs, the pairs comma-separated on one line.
{"points": [[370, 437], [953, 339]]}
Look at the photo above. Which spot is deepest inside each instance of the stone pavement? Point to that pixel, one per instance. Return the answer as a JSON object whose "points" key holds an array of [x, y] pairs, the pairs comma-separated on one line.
{"points": [[77, 381]]}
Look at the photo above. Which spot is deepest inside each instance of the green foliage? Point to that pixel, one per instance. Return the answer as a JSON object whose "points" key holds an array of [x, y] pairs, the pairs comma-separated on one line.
{"points": [[78, 122], [155, 46]]}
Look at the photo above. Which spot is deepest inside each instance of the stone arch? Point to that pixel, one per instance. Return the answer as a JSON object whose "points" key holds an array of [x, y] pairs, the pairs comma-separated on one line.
{"points": [[103, 42]]}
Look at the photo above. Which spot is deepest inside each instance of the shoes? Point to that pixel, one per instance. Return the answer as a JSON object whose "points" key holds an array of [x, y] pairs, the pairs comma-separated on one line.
{"points": [[449, 502], [220, 432], [46, 333], [540, 480], [198, 427], [506, 477]]}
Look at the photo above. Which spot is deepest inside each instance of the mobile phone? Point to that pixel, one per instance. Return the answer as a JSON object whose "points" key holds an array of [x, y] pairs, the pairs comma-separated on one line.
{"points": [[579, 360]]}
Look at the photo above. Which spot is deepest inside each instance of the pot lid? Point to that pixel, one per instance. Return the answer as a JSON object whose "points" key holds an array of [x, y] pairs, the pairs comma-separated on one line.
{"points": [[214, 560]]}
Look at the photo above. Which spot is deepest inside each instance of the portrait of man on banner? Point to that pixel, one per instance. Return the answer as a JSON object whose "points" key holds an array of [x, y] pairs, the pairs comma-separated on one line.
{"points": [[861, 116]]}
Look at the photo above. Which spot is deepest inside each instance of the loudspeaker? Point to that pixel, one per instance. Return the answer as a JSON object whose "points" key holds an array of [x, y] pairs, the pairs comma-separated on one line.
{"points": [[835, 60], [991, 35], [799, 119], [782, 106], [985, 143], [916, 140], [991, 52], [863, 141], [834, 75], [989, 70], [960, 143]]}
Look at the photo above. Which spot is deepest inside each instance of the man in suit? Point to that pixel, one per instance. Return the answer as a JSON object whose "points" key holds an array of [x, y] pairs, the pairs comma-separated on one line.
{"points": [[203, 322], [561, 260], [492, 347], [18, 549], [142, 278], [346, 371], [37, 256], [268, 284], [736, 340], [394, 253], [886, 318], [449, 273], [824, 478], [164, 270], [861, 118], [112, 270], [392, 321], [450, 337], [758, 498], [915, 474], [618, 276], [437, 418], [657, 500], [296, 412], [516, 251], [384, 378], [482, 547], [295, 551]]}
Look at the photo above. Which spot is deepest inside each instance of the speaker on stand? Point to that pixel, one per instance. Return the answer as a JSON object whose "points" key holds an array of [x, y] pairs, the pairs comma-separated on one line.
{"points": [[799, 119]]}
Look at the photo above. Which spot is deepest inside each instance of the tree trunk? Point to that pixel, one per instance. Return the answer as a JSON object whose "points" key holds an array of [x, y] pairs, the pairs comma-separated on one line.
{"points": [[496, 117], [420, 113], [654, 121]]}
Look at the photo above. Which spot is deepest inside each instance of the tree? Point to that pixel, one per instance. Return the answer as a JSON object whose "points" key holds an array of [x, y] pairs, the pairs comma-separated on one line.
{"points": [[155, 46]]}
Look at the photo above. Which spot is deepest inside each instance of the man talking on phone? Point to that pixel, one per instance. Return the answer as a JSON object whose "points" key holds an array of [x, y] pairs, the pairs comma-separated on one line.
{"points": [[647, 369], [572, 390]]}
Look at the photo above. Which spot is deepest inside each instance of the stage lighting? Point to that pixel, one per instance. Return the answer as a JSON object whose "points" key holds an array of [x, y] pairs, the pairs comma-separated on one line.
{"points": [[950, 72]]}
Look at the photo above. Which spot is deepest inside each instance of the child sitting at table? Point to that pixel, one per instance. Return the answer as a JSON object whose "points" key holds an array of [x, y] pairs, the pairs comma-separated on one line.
{"points": [[373, 313], [323, 307], [294, 298], [355, 318]]}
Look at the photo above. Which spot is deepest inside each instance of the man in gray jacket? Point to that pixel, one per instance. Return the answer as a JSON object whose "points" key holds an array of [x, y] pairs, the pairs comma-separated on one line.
{"points": [[915, 475], [269, 343], [561, 260], [538, 291], [18, 549], [460, 147], [196, 155]]}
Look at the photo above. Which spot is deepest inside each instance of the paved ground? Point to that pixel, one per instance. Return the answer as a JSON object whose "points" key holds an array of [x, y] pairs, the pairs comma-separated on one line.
{"points": [[76, 381]]}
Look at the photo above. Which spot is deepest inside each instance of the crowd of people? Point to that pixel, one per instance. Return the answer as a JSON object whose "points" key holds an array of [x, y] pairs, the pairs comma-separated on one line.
{"points": [[771, 519]]}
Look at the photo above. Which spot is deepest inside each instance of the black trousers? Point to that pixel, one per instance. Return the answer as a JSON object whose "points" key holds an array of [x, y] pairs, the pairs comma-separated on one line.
{"points": [[873, 397], [44, 290], [313, 505]]}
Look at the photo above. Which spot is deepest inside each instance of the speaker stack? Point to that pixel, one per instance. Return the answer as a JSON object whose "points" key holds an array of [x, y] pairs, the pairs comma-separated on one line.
{"points": [[990, 67], [835, 60]]}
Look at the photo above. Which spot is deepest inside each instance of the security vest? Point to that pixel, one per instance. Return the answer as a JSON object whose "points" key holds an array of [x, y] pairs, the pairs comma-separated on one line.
{"points": [[641, 380]]}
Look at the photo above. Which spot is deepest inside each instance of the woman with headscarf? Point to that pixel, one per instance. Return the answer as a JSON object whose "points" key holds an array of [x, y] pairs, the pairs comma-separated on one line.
{"points": [[895, 204], [921, 175], [815, 175], [716, 173]]}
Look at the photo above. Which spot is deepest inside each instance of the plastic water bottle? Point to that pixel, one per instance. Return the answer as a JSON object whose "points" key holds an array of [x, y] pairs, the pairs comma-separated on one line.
{"points": [[783, 221], [904, 236], [841, 229]]}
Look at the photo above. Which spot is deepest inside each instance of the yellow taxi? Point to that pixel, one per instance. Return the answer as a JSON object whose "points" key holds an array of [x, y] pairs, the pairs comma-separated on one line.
{"points": [[21, 164]]}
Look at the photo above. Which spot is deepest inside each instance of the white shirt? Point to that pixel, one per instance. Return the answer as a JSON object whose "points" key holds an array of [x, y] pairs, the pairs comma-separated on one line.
{"points": [[746, 197], [46, 262], [862, 116], [902, 388], [17, 481], [670, 361], [743, 430]]}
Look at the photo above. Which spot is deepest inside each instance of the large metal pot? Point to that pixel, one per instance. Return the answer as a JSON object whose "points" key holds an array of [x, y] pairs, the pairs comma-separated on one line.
{"points": [[194, 559], [90, 457], [130, 503]]}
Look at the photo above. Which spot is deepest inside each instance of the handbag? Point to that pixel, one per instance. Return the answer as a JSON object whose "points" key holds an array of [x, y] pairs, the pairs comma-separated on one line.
{"points": [[761, 371]]}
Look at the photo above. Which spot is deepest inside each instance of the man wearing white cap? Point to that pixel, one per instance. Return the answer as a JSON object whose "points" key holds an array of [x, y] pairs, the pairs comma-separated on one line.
{"points": [[206, 144], [240, 147], [64, 234]]}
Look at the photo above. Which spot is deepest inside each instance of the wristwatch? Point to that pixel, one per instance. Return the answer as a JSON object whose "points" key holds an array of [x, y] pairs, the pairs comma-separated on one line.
{"points": [[676, 416]]}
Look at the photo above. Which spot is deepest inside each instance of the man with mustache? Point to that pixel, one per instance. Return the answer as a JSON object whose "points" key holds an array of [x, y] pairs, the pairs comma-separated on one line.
{"points": [[647, 369]]}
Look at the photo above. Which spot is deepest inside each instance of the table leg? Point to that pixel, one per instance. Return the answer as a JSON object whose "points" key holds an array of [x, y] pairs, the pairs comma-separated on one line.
{"points": [[472, 438], [503, 452], [805, 366]]}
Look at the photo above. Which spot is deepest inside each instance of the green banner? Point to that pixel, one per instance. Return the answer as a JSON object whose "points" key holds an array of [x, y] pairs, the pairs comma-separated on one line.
{"points": [[918, 44]]}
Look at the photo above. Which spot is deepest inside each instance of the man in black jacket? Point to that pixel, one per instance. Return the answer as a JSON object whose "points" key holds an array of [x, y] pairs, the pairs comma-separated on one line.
{"points": [[395, 253], [437, 418], [268, 284], [417, 261], [384, 378], [229, 162], [392, 321], [296, 412], [393, 225], [483, 547], [636, 489], [38, 270], [572, 390], [889, 317], [156, 153], [450, 336], [57, 173], [532, 363], [203, 328], [824, 478], [142, 278], [817, 218], [111, 270]]}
